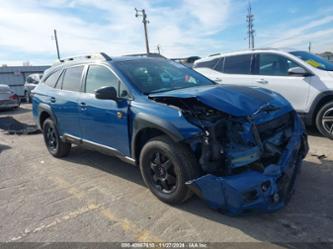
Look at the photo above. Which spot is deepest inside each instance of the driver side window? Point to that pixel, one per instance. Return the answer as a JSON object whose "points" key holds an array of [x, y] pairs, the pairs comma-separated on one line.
{"points": [[98, 77], [274, 65]]}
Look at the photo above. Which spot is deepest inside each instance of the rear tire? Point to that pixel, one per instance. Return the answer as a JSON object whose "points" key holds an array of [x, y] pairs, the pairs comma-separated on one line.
{"points": [[324, 120], [165, 167], [53, 142]]}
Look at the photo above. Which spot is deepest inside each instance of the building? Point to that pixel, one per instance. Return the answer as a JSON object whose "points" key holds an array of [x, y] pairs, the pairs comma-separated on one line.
{"points": [[15, 76]]}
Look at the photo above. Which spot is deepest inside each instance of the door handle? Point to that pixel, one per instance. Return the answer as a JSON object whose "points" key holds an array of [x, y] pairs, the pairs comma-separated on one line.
{"points": [[262, 81], [83, 106], [218, 80], [53, 99]]}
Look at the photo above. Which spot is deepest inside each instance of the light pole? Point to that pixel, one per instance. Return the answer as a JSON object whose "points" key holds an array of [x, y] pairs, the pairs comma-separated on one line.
{"points": [[145, 22]]}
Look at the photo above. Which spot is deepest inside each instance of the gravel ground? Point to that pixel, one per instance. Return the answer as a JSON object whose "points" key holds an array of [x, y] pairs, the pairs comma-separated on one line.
{"points": [[92, 197]]}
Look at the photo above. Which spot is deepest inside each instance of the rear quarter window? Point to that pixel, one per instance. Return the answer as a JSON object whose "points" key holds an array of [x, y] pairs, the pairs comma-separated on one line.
{"points": [[208, 64], [51, 80]]}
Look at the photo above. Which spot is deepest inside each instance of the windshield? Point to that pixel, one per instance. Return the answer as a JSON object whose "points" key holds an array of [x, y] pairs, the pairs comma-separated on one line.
{"points": [[314, 60], [159, 75]]}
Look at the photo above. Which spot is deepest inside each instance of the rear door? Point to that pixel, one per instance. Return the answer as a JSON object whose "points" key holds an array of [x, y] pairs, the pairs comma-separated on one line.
{"points": [[65, 100], [236, 70], [104, 122]]}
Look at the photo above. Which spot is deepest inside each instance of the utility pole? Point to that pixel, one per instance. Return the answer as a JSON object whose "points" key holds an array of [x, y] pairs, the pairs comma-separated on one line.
{"points": [[250, 30], [56, 42], [309, 47], [145, 22]]}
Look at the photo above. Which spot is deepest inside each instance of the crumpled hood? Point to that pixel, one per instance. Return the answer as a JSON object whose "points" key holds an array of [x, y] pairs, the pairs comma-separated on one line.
{"points": [[235, 100]]}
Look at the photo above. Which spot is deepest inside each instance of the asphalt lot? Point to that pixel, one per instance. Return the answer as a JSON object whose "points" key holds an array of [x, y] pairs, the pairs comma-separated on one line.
{"points": [[92, 197]]}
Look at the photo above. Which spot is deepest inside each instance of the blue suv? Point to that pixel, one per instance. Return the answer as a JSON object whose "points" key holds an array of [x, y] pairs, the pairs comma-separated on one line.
{"points": [[239, 148]]}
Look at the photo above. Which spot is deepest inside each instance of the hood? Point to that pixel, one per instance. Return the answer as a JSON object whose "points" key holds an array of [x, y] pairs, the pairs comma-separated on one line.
{"points": [[235, 100]]}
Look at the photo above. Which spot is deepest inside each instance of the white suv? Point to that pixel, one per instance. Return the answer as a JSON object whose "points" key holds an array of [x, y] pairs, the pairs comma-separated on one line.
{"points": [[306, 80]]}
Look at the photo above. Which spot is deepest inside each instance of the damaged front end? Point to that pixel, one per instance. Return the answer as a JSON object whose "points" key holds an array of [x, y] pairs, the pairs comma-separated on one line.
{"points": [[249, 163]]}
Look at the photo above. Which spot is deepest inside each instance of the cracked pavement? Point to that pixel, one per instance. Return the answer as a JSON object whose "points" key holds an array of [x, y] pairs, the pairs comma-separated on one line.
{"points": [[91, 197]]}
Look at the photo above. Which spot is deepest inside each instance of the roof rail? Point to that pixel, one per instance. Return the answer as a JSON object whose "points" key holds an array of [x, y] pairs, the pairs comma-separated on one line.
{"points": [[97, 56], [214, 54], [147, 55]]}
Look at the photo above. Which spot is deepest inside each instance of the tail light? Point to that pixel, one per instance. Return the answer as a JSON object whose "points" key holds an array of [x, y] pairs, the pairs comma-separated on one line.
{"points": [[13, 97]]}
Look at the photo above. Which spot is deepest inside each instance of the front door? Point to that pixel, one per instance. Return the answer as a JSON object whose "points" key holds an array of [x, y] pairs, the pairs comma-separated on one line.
{"points": [[271, 72], [104, 122]]}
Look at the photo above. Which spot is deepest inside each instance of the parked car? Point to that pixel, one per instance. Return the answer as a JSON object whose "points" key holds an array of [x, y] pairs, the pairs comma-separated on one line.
{"points": [[30, 84], [239, 148], [305, 79], [187, 61], [8, 98]]}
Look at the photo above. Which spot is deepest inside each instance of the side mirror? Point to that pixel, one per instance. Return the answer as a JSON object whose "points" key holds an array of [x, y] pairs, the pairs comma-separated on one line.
{"points": [[108, 92], [298, 71]]}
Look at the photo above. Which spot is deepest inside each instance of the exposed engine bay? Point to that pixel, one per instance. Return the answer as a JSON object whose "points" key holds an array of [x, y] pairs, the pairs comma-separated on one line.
{"points": [[237, 153], [228, 143]]}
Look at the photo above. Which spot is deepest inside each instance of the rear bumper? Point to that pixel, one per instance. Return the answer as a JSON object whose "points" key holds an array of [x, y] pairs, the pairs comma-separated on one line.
{"points": [[253, 190], [9, 104]]}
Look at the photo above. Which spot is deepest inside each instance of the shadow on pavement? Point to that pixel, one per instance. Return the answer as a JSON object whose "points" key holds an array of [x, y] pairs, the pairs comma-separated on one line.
{"points": [[106, 163], [11, 126], [4, 147], [307, 218]]}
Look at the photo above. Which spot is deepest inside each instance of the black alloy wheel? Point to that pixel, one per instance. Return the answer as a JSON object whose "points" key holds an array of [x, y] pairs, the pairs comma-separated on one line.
{"points": [[163, 172]]}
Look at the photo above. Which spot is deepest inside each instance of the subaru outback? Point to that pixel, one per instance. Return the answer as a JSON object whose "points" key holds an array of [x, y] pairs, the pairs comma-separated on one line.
{"points": [[238, 148]]}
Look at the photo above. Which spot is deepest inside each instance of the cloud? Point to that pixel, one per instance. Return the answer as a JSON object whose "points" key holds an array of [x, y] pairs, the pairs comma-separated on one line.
{"points": [[180, 29], [316, 28]]}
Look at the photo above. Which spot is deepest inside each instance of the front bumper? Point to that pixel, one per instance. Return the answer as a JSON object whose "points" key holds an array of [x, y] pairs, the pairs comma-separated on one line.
{"points": [[253, 190]]}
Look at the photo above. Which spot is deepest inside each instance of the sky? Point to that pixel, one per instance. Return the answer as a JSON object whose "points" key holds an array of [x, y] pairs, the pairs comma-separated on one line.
{"points": [[179, 27]]}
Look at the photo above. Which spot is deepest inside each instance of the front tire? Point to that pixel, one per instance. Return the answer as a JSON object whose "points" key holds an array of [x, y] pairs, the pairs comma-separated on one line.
{"points": [[165, 167], [54, 144], [324, 120]]}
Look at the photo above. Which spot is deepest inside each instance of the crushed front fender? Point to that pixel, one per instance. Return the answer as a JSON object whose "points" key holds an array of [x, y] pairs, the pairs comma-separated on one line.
{"points": [[252, 190]]}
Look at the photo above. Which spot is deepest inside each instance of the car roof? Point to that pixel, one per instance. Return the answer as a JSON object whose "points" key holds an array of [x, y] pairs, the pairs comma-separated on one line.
{"points": [[246, 51], [98, 58]]}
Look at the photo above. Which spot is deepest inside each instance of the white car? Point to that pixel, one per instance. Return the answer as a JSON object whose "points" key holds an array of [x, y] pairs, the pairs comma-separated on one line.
{"points": [[30, 84], [306, 80]]}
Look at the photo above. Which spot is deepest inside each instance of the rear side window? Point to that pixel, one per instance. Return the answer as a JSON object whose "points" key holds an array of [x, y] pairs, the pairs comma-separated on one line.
{"points": [[72, 79], [100, 76], [208, 64], [239, 64], [52, 79]]}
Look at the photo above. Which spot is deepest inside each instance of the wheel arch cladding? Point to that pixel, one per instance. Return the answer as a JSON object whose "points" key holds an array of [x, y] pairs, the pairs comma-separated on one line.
{"points": [[44, 113], [146, 126]]}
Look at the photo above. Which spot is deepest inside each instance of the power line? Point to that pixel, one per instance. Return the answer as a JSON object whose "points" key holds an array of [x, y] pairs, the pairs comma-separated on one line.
{"points": [[145, 22], [250, 30]]}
